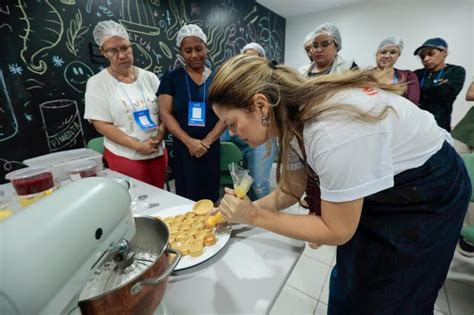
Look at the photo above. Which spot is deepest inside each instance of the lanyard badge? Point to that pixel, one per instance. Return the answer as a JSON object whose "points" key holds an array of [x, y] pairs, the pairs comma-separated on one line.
{"points": [[196, 110], [196, 114], [141, 116], [437, 81], [143, 119]]}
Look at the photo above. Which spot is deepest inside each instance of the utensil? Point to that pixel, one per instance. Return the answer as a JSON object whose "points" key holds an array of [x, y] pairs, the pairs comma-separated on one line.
{"points": [[133, 279], [140, 198]]}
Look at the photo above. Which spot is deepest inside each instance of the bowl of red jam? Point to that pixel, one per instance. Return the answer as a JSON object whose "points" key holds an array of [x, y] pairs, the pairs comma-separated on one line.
{"points": [[31, 180], [81, 169]]}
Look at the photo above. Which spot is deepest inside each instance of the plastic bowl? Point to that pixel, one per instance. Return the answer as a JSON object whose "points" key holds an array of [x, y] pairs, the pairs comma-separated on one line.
{"points": [[82, 169], [31, 180]]}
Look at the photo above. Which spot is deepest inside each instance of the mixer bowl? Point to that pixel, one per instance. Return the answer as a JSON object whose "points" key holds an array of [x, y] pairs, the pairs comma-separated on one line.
{"points": [[139, 288]]}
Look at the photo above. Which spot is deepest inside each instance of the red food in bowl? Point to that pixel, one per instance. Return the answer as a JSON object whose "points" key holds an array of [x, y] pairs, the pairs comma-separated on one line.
{"points": [[88, 173], [33, 184]]}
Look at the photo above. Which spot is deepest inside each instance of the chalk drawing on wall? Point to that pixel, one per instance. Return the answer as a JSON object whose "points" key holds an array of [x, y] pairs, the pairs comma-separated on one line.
{"points": [[15, 69], [105, 11], [140, 19], [142, 57], [74, 33], [5, 10], [62, 124], [179, 18], [68, 2], [27, 116], [52, 29], [76, 75], [8, 165], [6, 25], [57, 61], [8, 121], [270, 38], [89, 5], [34, 84]]}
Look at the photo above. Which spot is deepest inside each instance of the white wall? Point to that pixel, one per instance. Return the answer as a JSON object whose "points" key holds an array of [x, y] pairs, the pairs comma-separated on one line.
{"points": [[363, 26]]}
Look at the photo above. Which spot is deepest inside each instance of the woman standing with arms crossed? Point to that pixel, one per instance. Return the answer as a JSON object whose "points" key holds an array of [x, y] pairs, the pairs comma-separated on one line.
{"points": [[193, 123], [394, 191], [121, 103]]}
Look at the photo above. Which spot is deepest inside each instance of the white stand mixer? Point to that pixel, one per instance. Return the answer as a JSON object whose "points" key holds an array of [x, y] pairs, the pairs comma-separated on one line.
{"points": [[49, 250]]}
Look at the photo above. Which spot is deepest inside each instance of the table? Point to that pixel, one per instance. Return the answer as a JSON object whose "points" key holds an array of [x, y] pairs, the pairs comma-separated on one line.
{"points": [[246, 277]]}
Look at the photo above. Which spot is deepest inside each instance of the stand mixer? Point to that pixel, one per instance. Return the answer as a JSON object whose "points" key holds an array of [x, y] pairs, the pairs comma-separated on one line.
{"points": [[49, 250]]}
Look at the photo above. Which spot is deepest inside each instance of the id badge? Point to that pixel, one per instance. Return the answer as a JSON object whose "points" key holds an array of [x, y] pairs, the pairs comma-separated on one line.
{"points": [[143, 119], [197, 114]]}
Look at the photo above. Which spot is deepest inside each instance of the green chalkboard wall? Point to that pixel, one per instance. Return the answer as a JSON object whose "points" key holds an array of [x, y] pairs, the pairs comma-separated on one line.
{"points": [[48, 53]]}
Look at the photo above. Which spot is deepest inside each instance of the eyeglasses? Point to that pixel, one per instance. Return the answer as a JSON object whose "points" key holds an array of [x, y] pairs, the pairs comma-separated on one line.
{"points": [[113, 52], [323, 44]]}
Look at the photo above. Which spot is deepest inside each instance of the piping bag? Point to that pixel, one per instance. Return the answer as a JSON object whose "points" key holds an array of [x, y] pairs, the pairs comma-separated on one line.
{"points": [[242, 182]]}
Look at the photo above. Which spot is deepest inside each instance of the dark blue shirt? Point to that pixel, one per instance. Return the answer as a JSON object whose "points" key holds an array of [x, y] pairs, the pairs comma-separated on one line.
{"points": [[174, 83]]}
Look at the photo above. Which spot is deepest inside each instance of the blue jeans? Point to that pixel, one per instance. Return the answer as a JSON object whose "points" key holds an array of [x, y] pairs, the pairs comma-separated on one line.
{"points": [[258, 164]]}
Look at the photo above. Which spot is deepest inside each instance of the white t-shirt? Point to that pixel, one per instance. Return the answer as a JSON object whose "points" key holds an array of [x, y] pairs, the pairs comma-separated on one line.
{"points": [[112, 101], [355, 159]]}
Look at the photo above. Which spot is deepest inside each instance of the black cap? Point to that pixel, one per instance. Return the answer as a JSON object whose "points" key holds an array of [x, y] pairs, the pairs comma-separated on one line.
{"points": [[433, 43]]}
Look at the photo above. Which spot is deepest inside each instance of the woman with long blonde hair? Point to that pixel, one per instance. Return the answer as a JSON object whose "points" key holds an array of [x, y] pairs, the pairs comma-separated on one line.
{"points": [[394, 192]]}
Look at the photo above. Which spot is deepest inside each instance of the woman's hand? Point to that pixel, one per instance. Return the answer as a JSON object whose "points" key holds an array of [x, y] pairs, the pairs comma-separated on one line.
{"points": [[147, 147], [196, 147], [237, 210]]}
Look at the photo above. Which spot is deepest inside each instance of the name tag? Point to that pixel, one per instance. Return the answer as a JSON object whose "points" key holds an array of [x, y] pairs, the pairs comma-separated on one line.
{"points": [[197, 114], [143, 120]]}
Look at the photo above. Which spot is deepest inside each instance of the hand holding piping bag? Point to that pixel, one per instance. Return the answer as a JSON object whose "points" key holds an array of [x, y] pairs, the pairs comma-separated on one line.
{"points": [[234, 199]]}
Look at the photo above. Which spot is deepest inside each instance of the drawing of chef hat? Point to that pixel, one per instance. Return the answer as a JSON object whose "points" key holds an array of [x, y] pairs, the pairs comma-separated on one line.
{"points": [[189, 30], [107, 29]]}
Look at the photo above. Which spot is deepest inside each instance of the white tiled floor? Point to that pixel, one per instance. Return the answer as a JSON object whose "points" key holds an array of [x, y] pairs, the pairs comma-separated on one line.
{"points": [[307, 289]]}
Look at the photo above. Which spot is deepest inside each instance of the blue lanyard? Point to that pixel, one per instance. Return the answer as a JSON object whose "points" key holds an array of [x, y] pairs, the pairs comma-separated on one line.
{"points": [[189, 93], [435, 81], [395, 77], [128, 96]]}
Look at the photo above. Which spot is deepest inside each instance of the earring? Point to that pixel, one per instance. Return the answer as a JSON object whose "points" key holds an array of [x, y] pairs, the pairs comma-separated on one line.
{"points": [[265, 121]]}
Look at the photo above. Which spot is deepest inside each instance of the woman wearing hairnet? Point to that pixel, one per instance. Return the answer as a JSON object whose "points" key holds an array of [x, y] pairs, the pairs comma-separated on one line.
{"points": [[256, 159], [388, 52], [254, 49], [308, 43], [326, 43], [121, 103], [394, 190], [195, 127]]}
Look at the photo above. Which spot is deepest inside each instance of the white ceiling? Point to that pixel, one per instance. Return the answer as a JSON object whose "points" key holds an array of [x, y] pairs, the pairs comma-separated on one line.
{"points": [[293, 8]]}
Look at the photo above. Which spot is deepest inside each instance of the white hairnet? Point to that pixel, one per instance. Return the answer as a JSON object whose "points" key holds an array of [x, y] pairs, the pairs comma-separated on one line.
{"points": [[107, 29], [330, 30], [254, 46], [308, 38], [391, 41], [188, 31]]}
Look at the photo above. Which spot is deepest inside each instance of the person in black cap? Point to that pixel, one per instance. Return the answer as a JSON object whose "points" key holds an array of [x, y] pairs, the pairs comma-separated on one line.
{"points": [[440, 83]]}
